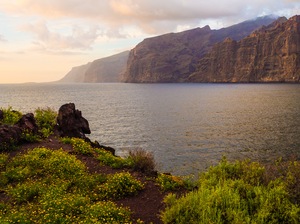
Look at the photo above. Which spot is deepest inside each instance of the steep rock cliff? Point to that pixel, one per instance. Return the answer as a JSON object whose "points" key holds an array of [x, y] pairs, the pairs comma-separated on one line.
{"points": [[76, 74], [173, 57], [107, 69], [270, 54]]}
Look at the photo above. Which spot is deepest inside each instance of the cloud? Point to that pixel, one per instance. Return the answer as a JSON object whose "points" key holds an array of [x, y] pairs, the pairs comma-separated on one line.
{"points": [[79, 38], [152, 16], [2, 39]]}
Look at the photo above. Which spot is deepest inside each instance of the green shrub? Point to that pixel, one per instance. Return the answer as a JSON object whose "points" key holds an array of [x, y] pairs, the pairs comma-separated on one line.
{"points": [[233, 193], [30, 137], [41, 161], [168, 182], [107, 158], [142, 161], [10, 116], [79, 145], [3, 160], [46, 120], [107, 212], [289, 172], [119, 185], [25, 192]]}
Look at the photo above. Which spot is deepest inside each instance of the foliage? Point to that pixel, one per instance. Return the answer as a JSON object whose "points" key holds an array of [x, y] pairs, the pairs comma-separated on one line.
{"points": [[233, 193], [3, 160], [119, 185], [168, 182], [79, 145], [107, 158], [289, 172], [10, 116], [30, 137], [46, 120], [46, 186], [142, 161]]}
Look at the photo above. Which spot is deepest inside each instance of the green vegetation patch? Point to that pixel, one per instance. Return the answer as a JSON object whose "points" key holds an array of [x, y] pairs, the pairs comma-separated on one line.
{"points": [[52, 186], [10, 116], [79, 145], [46, 120], [233, 193]]}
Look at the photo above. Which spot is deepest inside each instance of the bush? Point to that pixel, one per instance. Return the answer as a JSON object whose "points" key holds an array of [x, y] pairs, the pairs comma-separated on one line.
{"points": [[41, 162], [142, 161], [46, 120], [107, 158], [289, 172], [79, 145], [168, 182], [119, 185], [10, 116], [233, 193]]}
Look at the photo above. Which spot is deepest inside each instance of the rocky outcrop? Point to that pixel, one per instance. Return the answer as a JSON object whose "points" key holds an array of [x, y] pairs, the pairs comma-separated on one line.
{"points": [[174, 57], [108, 69], [70, 122], [12, 135], [270, 54]]}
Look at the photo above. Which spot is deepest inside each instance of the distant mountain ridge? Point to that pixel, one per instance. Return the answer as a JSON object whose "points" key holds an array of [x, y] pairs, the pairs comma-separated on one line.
{"points": [[266, 49], [108, 69]]}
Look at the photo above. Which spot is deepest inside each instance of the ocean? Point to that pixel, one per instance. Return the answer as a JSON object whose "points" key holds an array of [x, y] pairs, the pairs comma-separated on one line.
{"points": [[188, 127]]}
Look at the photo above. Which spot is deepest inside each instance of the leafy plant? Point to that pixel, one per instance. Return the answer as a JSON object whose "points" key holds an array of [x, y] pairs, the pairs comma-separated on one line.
{"points": [[233, 193], [107, 158], [10, 116], [3, 160], [119, 185], [79, 145], [168, 182], [46, 120]]}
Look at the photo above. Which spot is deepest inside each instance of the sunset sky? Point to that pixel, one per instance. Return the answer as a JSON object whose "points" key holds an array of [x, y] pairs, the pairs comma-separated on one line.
{"points": [[41, 40]]}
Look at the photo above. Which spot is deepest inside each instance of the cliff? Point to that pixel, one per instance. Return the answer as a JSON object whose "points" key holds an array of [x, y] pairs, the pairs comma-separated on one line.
{"points": [[76, 74], [108, 69], [270, 54], [174, 57]]}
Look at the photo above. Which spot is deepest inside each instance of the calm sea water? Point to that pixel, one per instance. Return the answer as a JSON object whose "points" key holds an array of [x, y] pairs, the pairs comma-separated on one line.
{"points": [[188, 127]]}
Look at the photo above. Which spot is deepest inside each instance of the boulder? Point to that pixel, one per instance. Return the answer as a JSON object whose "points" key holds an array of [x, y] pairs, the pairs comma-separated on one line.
{"points": [[28, 123], [70, 122], [11, 135]]}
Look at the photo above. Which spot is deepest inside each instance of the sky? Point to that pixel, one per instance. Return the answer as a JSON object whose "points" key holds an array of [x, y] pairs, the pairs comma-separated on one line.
{"points": [[41, 40]]}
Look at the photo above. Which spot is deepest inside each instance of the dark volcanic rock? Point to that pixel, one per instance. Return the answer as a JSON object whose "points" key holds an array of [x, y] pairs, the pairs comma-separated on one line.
{"points": [[13, 134], [71, 123], [270, 54], [28, 123]]}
